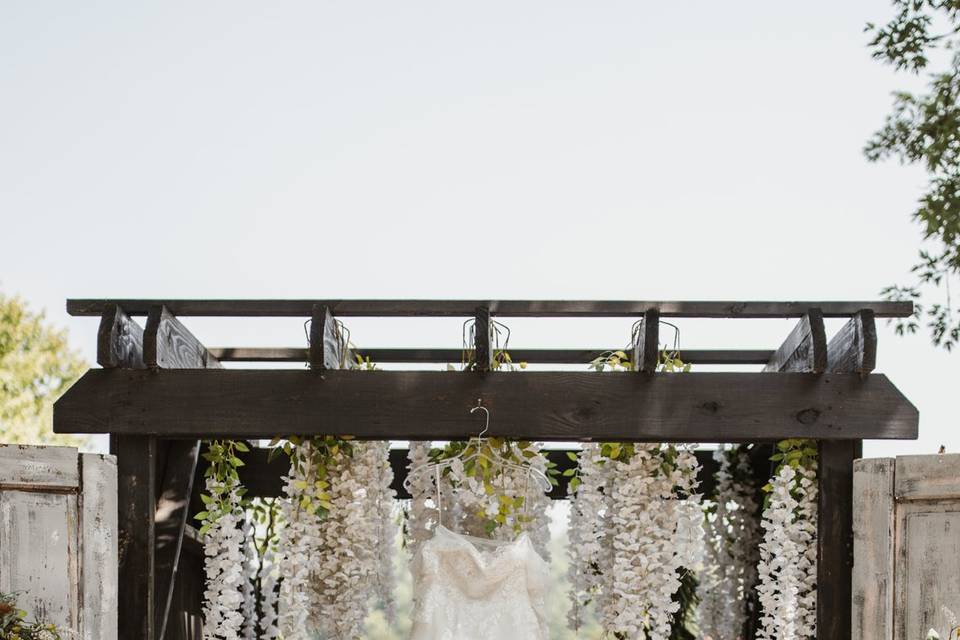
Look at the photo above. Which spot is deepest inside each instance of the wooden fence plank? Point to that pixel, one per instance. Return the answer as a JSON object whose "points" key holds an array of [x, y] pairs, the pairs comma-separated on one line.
{"points": [[693, 407], [32, 467], [928, 477], [873, 529], [98, 526]]}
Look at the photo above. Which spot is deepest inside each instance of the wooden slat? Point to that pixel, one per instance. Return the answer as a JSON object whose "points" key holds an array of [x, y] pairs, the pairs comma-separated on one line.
{"points": [[694, 407], [482, 350], [854, 348], [136, 487], [98, 521], [646, 350], [502, 308], [26, 467], [325, 349], [928, 477], [168, 344], [119, 340], [835, 538], [873, 550], [805, 349], [533, 356]]}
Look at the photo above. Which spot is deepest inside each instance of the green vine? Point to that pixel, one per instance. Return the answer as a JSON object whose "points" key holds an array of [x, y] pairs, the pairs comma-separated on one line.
{"points": [[223, 468], [14, 624]]}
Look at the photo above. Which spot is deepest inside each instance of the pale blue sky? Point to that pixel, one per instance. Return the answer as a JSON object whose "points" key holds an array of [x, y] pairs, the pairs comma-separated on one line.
{"points": [[446, 149]]}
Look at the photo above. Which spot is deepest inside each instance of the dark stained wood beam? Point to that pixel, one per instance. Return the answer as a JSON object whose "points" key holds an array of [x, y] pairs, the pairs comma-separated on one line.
{"points": [[325, 349], [538, 405], [119, 340], [120, 345], [532, 356], [482, 350], [854, 348], [805, 349], [646, 349], [136, 489], [501, 308], [168, 344]]}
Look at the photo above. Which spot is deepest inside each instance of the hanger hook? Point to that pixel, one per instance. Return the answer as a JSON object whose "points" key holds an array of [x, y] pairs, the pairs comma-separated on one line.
{"points": [[480, 406]]}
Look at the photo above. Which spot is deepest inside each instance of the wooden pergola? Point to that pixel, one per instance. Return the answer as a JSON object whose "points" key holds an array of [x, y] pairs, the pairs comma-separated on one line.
{"points": [[160, 393]]}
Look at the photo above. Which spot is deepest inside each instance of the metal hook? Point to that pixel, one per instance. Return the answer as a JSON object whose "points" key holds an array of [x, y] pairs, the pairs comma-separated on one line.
{"points": [[480, 406]]}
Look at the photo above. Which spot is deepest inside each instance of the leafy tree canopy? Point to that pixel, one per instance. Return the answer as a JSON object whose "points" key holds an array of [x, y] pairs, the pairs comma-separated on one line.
{"points": [[36, 366], [924, 129]]}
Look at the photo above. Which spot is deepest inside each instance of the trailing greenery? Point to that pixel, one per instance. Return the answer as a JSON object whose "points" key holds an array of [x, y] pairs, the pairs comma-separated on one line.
{"points": [[924, 129], [15, 626]]}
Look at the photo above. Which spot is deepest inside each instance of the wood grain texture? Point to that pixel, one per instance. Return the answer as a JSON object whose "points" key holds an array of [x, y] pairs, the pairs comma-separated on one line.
{"points": [[501, 308], [119, 340], [168, 344], [646, 349], [27, 467], [99, 558], [854, 348], [930, 477], [927, 574], [805, 349], [38, 554], [873, 531], [382, 355], [136, 488], [693, 407], [325, 350], [835, 538], [482, 349]]}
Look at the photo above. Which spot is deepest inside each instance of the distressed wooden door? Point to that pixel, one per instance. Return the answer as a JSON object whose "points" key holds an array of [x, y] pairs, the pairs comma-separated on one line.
{"points": [[906, 527], [58, 529]]}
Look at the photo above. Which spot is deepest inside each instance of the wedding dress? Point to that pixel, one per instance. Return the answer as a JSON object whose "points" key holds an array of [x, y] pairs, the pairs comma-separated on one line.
{"points": [[475, 589]]}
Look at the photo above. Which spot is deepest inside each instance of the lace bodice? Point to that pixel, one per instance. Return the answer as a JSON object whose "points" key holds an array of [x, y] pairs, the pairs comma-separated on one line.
{"points": [[469, 588]]}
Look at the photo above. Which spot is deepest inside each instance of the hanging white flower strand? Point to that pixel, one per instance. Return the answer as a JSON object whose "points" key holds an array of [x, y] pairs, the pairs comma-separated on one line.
{"points": [[223, 541], [585, 531], [732, 538], [788, 554]]}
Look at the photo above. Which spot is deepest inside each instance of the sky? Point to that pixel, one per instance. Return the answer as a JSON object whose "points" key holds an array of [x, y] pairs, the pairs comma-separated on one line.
{"points": [[562, 149]]}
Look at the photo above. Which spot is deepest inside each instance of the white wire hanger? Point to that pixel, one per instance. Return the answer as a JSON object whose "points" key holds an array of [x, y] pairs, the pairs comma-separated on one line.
{"points": [[476, 449]]}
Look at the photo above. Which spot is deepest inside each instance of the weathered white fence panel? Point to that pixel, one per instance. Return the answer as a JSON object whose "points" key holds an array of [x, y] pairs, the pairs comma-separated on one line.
{"points": [[906, 526], [58, 546]]}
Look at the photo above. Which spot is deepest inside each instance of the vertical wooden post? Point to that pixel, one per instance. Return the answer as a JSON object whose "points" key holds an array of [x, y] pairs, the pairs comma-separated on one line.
{"points": [[852, 350], [120, 345], [136, 491], [646, 349], [482, 351]]}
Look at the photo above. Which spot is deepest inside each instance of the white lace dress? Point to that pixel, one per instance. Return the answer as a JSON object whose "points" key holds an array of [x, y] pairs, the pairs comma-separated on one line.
{"points": [[469, 588]]}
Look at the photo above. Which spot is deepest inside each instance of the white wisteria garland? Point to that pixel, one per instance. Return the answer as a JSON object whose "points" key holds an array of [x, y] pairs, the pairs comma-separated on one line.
{"points": [[635, 524], [732, 537], [787, 570]]}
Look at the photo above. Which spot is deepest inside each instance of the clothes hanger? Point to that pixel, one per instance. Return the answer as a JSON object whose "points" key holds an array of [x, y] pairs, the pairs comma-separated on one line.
{"points": [[476, 444]]}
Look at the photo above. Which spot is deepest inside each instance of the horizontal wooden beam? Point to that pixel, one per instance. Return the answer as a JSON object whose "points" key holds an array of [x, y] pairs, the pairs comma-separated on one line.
{"points": [[538, 405], [501, 308], [532, 356]]}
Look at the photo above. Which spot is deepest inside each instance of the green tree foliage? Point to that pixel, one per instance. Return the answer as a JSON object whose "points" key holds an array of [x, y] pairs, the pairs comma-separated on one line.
{"points": [[36, 366], [924, 129]]}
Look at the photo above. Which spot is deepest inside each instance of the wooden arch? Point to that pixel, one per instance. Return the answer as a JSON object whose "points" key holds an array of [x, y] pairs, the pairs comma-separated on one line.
{"points": [[160, 392]]}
